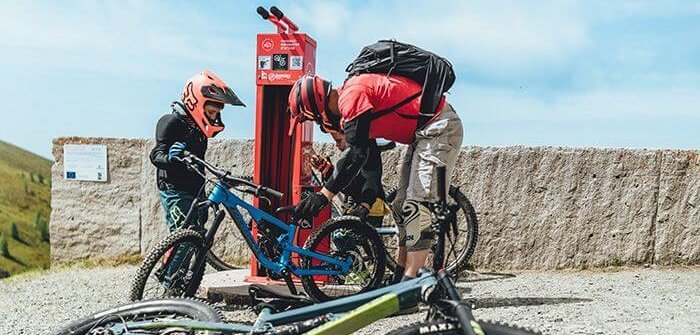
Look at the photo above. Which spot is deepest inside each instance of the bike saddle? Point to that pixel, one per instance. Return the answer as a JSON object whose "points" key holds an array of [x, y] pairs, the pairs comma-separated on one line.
{"points": [[279, 300]]}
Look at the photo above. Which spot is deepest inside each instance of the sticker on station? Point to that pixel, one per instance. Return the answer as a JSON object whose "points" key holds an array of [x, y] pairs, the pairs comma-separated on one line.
{"points": [[268, 44], [296, 62], [280, 62], [264, 62]]}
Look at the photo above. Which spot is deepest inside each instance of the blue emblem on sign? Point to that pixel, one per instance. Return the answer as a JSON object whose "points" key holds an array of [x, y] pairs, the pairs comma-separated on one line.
{"points": [[70, 175]]}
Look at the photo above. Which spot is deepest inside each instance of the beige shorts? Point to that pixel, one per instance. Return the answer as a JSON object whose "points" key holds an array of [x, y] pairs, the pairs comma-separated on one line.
{"points": [[438, 143]]}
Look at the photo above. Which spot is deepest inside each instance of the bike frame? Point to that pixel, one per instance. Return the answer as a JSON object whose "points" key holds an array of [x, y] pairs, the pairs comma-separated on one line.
{"points": [[221, 195], [383, 302]]}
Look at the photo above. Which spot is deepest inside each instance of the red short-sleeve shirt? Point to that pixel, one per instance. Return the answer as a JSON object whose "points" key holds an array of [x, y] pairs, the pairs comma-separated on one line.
{"points": [[378, 92]]}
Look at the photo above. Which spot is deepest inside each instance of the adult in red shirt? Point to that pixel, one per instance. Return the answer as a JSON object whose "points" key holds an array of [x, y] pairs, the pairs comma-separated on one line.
{"points": [[370, 106]]}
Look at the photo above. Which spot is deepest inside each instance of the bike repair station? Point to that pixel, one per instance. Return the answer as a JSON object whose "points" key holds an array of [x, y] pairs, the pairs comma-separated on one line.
{"points": [[281, 161]]}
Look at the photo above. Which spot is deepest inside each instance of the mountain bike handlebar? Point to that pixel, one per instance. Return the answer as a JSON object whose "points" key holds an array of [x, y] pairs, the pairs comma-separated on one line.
{"points": [[259, 190]]}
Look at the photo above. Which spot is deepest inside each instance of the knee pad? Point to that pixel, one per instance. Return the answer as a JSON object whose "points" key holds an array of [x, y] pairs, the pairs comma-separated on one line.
{"points": [[417, 221]]}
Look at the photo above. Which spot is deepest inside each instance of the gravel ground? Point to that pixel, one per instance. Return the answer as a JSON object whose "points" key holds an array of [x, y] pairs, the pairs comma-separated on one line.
{"points": [[639, 301]]}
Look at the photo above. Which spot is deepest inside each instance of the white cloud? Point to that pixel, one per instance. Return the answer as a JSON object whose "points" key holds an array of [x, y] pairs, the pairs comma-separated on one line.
{"points": [[512, 105], [128, 38], [493, 37]]}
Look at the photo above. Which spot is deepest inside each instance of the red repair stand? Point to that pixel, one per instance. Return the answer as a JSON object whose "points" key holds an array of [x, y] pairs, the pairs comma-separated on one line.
{"points": [[281, 161]]}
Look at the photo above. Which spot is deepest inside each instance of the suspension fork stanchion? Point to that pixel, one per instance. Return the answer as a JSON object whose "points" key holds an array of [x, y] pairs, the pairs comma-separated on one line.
{"points": [[201, 259], [218, 218], [459, 308], [439, 256], [441, 215]]}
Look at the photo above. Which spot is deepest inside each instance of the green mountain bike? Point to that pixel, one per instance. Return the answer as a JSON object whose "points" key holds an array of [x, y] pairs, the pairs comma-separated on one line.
{"points": [[447, 314]]}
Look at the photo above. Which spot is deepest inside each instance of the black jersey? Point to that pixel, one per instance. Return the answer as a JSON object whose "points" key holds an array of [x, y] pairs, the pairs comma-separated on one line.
{"points": [[174, 175]]}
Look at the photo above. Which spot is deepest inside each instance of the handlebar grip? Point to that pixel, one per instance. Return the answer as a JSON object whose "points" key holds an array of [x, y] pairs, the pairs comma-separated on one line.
{"points": [[263, 12], [441, 177], [274, 193], [276, 12]]}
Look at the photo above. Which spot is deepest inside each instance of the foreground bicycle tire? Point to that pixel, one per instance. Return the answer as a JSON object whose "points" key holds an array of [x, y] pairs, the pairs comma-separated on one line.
{"points": [[468, 224], [144, 311], [448, 327], [371, 242], [186, 238]]}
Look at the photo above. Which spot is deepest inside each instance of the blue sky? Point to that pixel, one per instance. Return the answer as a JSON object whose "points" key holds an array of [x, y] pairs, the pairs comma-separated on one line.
{"points": [[554, 73]]}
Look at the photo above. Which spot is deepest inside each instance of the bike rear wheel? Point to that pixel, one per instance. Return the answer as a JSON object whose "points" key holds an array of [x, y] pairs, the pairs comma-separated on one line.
{"points": [[458, 251], [173, 309], [345, 237], [170, 269], [448, 327]]}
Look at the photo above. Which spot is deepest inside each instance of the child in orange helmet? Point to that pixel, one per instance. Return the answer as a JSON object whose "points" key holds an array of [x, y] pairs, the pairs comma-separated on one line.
{"points": [[193, 120]]}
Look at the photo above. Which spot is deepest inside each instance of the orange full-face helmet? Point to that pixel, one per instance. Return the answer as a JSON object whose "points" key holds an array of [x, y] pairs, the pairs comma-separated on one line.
{"points": [[207, 87], [308, 100]]}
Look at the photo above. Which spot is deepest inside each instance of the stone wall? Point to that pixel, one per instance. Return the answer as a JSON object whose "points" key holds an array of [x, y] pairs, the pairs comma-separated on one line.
{"points": [[538, 208]]}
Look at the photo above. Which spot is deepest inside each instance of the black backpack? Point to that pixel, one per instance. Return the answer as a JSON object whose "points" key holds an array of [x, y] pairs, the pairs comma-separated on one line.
{"points": [[392, 57]]}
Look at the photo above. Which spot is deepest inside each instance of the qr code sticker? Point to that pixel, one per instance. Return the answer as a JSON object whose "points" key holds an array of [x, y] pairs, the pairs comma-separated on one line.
{"points": [[296, 62]]}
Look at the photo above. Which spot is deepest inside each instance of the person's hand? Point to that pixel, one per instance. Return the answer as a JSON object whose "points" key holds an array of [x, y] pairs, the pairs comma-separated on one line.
{"points": [[176, 150], [322, 164], [309, 207], [361, 211]]}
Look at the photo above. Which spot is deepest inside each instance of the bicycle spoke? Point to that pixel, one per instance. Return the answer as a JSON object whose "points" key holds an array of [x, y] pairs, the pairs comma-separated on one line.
{"points": [[346, 245]]}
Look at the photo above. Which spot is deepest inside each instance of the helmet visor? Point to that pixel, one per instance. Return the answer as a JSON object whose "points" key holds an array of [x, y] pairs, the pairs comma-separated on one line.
{"points": [[225, 95]]}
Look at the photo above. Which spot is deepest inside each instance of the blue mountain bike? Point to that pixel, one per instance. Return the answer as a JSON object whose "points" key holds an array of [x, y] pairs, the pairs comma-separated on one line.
{"points": [[342, 257]]}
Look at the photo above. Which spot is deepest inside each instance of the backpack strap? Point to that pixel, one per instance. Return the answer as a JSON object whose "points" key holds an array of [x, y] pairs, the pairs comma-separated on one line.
{"points": [[391, 109], [423, 119]]}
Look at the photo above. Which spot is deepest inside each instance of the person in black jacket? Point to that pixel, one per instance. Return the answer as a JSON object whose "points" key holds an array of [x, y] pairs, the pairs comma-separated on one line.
{"points": [[365, 197], [194, 119]]}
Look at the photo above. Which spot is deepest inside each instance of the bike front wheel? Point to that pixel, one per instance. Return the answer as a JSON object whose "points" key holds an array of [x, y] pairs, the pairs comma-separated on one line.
{"points": [[346, 238], [167, 309], [449, 327], [171, 268]]}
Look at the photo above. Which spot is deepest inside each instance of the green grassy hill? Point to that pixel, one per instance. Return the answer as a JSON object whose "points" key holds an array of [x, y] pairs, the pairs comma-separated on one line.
{"points": [[25, 193]]}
